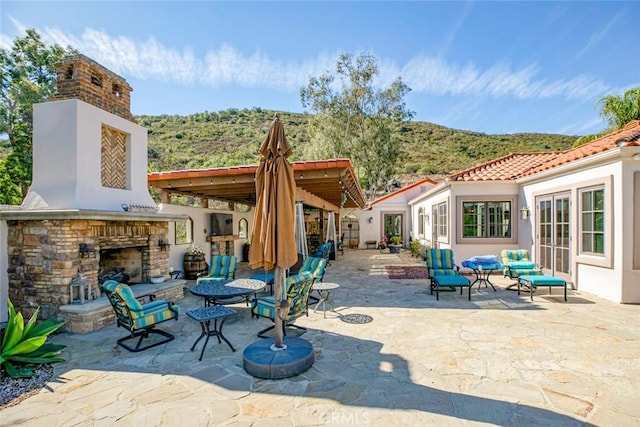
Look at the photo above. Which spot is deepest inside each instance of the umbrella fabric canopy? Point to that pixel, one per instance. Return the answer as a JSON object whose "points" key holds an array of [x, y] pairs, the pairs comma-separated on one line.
{"points": [[273, 240]]}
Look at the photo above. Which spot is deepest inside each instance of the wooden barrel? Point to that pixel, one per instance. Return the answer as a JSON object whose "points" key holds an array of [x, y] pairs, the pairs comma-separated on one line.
{"points": [[194, 264]]}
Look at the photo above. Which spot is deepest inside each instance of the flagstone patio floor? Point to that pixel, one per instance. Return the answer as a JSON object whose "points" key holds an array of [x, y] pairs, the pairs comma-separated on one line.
{"points": [[390, 355]]}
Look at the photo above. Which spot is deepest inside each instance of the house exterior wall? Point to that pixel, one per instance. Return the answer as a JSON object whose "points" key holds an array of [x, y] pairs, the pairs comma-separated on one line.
{"points": [[394, 204], [482, 191], [67, 141], [201, 229], [427, 202], [611, 276]]}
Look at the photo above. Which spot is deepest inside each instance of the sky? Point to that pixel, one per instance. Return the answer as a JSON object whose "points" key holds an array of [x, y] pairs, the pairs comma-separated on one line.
{"points": [[486, 66]]}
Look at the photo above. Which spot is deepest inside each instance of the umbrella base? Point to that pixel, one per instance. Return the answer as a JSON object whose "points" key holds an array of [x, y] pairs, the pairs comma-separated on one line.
{"points": [[262, 362]]}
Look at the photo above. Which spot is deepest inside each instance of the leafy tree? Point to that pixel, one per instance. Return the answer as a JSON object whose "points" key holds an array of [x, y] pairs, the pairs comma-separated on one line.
{"points": [[617, 111], [27, 77], [358, 120]]}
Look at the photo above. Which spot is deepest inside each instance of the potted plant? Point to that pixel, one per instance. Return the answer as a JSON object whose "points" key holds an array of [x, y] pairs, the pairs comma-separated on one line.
{"points": [[395, 245]]}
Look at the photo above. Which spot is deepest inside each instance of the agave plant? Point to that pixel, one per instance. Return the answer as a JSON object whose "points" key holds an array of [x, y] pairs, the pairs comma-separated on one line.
{"points": [[23, 346]]}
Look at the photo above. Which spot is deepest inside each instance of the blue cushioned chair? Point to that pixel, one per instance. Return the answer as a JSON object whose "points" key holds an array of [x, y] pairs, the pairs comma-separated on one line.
{"points": [[316, 266], [139, 319], [443, 271], [324, 251], [516, 263], [298, 287], [221, 267]]}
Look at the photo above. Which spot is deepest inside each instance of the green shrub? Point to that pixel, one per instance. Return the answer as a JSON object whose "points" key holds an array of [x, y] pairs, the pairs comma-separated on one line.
{"points": [[23, 346], [415, 247]]}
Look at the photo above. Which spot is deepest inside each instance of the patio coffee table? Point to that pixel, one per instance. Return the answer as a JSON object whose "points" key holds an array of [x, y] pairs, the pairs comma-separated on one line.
{"points": [[205, 315], [324, 291], [224, 291], [482, 272]]}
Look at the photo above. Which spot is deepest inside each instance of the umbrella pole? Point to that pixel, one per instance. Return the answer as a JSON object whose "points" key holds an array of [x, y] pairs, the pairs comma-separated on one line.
{"points": [[281, 305]]}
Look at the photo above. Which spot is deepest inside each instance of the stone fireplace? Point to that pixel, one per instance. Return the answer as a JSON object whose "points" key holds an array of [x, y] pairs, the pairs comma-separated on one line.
{"points": [[88, 210]]}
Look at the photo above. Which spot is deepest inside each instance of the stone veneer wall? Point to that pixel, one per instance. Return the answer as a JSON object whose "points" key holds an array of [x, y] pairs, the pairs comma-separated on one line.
{"points": [[44, 256]]}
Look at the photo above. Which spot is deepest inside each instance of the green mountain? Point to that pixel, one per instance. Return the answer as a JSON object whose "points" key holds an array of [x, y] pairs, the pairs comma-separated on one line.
{"points": [[232, 137]]}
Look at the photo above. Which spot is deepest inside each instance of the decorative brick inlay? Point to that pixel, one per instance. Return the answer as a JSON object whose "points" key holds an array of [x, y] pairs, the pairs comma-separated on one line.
{"points": [[114, 158]]}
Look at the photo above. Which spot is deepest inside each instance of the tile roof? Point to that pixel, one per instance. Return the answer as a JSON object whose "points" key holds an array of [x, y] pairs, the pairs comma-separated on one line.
{"points": [[629, 135], [503, 168], [402, 190], [517, 165]]}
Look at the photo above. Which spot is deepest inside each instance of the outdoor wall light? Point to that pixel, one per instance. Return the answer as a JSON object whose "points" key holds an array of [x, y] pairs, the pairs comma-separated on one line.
{"points": [[636, 156], [370, 219], [524, 213]]}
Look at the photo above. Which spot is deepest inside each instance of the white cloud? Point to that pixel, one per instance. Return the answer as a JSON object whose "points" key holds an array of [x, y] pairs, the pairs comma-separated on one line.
{"points": [[435, 76], [151, 59]]}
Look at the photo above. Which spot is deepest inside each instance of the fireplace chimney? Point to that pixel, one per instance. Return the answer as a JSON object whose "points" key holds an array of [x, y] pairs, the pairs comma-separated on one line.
{"points": [[88, 152]]}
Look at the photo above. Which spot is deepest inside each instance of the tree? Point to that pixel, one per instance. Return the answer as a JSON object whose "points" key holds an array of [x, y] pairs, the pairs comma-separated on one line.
{"points": [[358, 120], [617, 111], [27, 77]]}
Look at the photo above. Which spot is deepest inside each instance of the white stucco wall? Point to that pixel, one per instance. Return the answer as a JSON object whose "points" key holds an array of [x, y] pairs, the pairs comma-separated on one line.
{"points": [[397, 203], [67, 140], [613, 279], [201, 229]]}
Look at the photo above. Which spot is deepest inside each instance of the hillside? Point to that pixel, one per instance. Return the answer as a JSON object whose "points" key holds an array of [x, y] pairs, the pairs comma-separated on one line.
{"points": [[232, 137]]}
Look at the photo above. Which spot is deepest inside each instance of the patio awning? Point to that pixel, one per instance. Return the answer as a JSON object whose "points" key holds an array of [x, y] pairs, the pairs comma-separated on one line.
{"points": [[320, 183]]}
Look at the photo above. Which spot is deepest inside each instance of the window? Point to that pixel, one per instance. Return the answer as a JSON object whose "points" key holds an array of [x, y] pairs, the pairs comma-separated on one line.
{"points": [[421, 222], [487, 219], [184, 232], [592, 221], [443, 219]]}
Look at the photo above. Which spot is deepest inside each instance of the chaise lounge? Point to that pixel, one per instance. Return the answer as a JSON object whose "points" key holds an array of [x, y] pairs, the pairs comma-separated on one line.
{"points": [[444, 273]]}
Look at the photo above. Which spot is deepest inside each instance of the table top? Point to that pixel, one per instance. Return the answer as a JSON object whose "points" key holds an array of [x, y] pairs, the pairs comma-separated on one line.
{"points": [[324, 286], [210, 313], [481, 266], [227, 288]]}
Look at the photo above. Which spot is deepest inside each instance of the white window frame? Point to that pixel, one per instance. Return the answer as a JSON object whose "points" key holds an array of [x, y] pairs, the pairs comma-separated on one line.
{"points": [[421, 222], [581, 223], [600, 260]]}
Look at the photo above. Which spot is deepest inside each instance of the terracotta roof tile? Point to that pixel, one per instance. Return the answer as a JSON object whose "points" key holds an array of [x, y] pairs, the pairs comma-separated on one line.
{"points": [[402, 190], [630, 135], [503, 168]]}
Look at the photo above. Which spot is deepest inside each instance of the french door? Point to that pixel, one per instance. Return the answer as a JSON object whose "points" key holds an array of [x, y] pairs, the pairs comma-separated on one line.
{"points": [[553, 237]]}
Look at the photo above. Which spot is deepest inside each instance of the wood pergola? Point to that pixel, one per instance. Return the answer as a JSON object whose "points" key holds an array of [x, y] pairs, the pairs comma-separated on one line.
{"points": [[323, 184]]}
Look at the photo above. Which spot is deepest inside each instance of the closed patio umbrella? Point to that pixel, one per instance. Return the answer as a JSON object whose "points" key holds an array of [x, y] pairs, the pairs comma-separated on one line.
{"points": [[273, 243]]}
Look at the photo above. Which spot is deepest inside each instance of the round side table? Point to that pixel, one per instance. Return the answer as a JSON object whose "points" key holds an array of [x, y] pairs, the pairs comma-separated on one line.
{"points": [[324, 291]]}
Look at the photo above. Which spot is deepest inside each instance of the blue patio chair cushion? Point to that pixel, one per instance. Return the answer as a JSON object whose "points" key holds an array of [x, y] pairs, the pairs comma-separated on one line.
{"points": [[134, 315], [440, 262], [516, 262], [298, 288], [222, 267], [316, 266], [542, 280]]}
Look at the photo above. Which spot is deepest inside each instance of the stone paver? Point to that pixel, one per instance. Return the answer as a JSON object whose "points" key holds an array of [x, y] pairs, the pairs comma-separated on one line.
{"points": [[390, 355]]}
